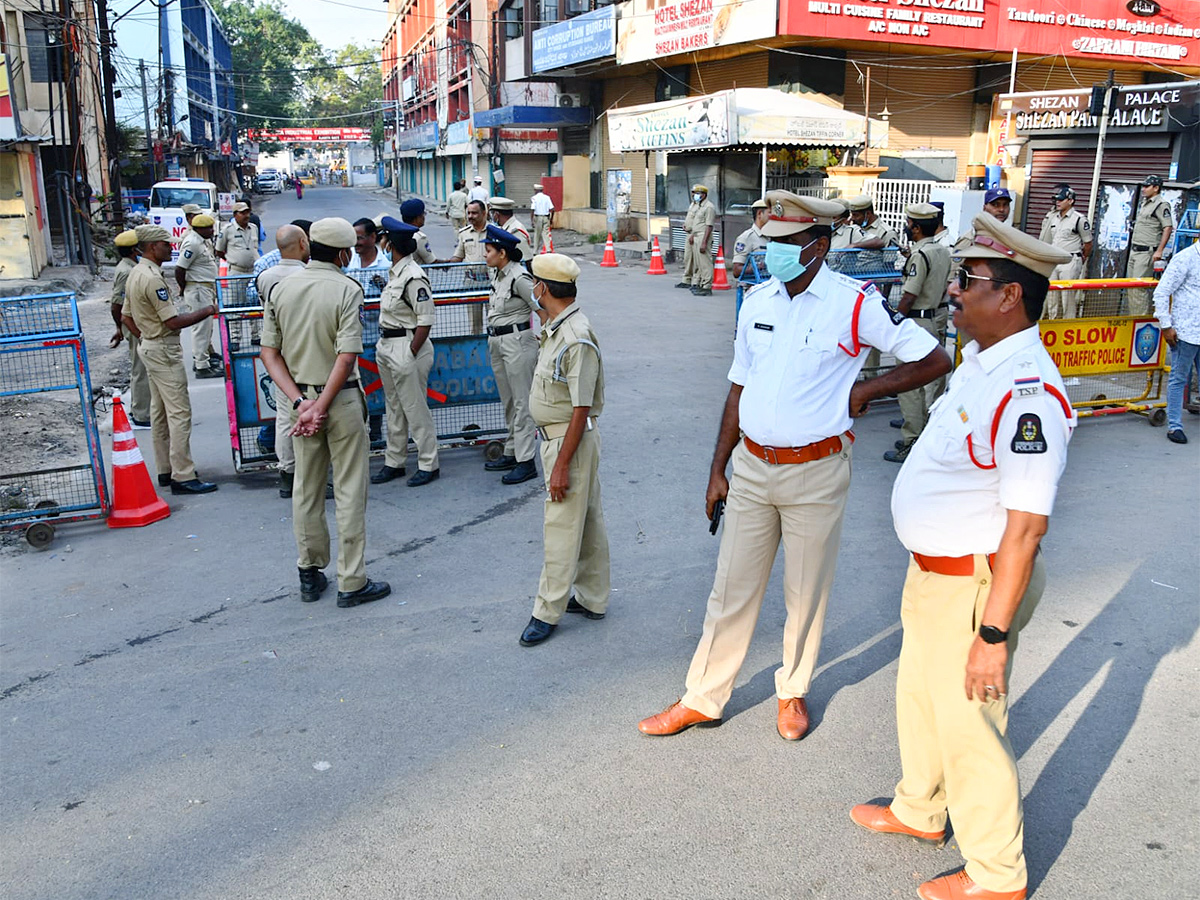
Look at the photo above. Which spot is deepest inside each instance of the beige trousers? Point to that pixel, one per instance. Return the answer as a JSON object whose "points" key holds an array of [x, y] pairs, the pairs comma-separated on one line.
{"points": [[170, 407], [139, 381], [513, 358], [343, 442], [284, 451], [458, 223], [541, 231], [1064, 304], [1141, 265], [697, 266], [802, 505], [955, 752], [405, 379], [576, 542], [195, 296], [914, 404]]}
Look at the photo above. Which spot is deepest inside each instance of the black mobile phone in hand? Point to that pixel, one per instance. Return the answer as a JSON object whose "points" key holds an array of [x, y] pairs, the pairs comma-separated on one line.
{"points": [[718, 509]]}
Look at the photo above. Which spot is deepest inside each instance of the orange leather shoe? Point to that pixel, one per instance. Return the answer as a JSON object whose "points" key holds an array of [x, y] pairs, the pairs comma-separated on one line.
{"points": [[792, 722], [674, 719], [884, 821], [958, 886]]}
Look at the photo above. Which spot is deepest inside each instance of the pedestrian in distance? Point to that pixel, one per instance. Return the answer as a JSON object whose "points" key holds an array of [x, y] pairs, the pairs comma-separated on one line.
{"points": [[566, 401], [456, 206], [478, 191], [139, 381], [299, 188], [150, 314], [794, 394], [1177, 305], [971, 505], [196, 275], [312, 338], [542, 210], [697, 252]]}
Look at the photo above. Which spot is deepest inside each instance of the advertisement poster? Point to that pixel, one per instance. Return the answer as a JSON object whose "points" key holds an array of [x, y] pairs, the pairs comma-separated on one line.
{"points": [[650, 29], [684, 125], [590, 36]]}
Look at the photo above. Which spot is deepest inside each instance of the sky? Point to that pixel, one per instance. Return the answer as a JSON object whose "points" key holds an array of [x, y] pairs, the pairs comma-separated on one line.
{"points": [[335, 24]]}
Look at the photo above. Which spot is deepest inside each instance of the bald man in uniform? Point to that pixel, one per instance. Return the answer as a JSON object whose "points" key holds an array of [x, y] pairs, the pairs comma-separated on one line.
{"points": [[139, 383], [196, 275]]}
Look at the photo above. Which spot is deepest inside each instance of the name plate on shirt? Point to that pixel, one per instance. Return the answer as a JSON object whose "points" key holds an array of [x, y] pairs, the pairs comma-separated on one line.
{"points": [[763, 326]]}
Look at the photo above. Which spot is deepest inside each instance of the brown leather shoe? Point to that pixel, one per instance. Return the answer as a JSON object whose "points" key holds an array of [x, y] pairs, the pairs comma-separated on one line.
{"points": [[958, 886], [792, 721], [883, 820], [674, 719]]}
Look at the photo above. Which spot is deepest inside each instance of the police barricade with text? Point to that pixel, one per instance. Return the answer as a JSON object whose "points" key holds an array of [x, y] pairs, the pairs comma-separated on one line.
{"points": [[44, 362], [1110, 362]]}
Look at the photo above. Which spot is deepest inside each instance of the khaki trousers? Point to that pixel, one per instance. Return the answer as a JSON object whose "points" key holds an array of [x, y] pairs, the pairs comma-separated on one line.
{"points": [[513, 358], [914, 404], [1064, 304], [697, 266], [195, 296], [343, 442], [802, 505], [1141, 265], [139, 381], [955, 752], [576, 542], [170, 407], [458, 223], [541, 231], [405, 379], [284, 451]]}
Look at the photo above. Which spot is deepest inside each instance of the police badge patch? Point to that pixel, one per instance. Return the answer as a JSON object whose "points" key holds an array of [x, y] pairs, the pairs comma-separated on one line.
{"points": [[162, 295], [187, 254], [911, 271], [895, 315], [422, 295], [1029, 437]]}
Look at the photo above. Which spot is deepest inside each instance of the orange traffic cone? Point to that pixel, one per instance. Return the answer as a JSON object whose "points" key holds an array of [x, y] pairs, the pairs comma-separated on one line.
{"points": [[720, 279], [548, 247], [610, 255], [656, 262], [135, 501]]}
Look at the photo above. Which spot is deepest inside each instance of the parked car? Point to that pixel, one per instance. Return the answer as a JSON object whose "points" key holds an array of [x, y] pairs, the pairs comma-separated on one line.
{"points": [[269, 182]]}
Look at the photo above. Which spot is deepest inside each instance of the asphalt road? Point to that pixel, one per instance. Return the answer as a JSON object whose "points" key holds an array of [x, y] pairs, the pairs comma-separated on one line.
{"points": [[176, 724]]}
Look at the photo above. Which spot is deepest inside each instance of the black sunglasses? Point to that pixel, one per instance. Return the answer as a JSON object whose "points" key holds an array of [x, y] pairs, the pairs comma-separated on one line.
{"points": [[965, 278]]}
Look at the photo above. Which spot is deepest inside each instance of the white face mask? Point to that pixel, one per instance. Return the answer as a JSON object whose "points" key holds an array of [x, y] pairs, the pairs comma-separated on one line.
{"points": [[537, 303], [698, 198]]}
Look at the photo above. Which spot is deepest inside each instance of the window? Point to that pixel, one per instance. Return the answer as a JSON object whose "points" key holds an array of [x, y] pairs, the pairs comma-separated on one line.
{"points": [[577, 7], [46, 60], [547, 12], [672, 83], [514, 24]]}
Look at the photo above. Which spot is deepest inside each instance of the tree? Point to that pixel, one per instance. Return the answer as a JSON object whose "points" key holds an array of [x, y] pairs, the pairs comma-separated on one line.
{"points": [[346, 94]]}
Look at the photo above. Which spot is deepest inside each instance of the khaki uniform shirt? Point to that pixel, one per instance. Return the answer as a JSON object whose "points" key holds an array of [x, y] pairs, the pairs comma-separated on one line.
{"points": [[120, 277], [240, 245], [424, 253], [148, 301], [268, 278], [1069, 231], [470, 244], [456, 205], [569, 370], [407, 301], [197, 259], [1153, 218], [926, 273], [311, 318], [512, 296], [749, 241], [844, 236], [514, 226], [700, 216], [878, 229]]}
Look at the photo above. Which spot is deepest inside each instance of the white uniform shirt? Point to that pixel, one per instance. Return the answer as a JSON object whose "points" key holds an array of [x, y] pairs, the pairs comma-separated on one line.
{"points": [[372, 277], [796, 379], [479, 192], [541, 204], [943, 502], [1180, 284]]}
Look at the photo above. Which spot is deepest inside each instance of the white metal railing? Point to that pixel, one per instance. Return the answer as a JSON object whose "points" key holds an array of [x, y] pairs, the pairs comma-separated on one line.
{"points": [[891, 195]]}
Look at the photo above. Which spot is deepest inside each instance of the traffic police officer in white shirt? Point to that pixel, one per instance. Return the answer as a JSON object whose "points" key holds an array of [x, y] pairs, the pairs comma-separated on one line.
{"points": [[751, 240], [543, 209], [478, 192], [971, 505], [801, 342]]}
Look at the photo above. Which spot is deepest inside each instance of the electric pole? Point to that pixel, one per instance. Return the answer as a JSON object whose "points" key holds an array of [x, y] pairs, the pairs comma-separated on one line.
{"points": [[146, 114], [110, 115]]}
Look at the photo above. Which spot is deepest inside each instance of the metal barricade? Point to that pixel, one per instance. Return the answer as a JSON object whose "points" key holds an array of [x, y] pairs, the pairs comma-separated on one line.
{"points": [[44, 378]]}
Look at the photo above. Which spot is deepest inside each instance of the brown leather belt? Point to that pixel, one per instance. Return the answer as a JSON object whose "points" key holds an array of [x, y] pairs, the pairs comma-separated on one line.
{"points": [[778, 456], [962, 566]]}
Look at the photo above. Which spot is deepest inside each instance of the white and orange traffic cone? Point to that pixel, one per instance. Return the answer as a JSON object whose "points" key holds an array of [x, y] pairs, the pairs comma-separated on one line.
{"points": [[610, 254], [720, 279], [135, 501], [549, 242], [656, 260]]}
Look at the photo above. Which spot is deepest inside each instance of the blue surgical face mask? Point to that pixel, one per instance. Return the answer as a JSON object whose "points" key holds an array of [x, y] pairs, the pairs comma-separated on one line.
{"points": [[698, 197], [534, 297], [783, 260]]}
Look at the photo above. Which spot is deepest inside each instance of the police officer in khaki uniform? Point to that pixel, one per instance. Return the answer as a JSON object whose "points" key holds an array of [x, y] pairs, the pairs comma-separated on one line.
{"points": [[845, 232], [923, 300], [456, 206], [1152, 229], [151, 315], [312, 337], [412, 212], [196, 275], [697, 255], [139, 383], [237, 243], [405, 357], [971, 505], [750, 241], [512, 350], [1066, 228], [566, 400], [470, 249], [503, 213], [873, 232]]}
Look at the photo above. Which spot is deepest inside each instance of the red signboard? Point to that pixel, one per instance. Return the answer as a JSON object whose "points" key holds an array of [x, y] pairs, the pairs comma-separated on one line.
{"points": [[310, 135], [1136, 31]]}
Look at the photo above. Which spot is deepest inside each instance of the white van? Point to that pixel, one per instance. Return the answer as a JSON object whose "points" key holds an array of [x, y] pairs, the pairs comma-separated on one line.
{"points": [[167, 199]]}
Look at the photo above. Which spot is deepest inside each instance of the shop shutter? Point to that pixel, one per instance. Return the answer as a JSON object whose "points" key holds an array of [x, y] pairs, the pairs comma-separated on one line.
{"points": [[748, 71], [1075, 167], [521, 173], [1043, 77]]}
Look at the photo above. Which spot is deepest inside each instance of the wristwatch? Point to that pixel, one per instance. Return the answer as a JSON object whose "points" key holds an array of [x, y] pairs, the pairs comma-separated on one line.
{"points": [[990, 634], [296, 403]]}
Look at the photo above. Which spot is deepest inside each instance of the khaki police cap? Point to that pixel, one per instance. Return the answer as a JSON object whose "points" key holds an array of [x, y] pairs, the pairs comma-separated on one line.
{"points": [[202, 220], [843, 203], [759, 204], [191, 209], [503, 203], [791, 213], [922, 211], [554, 267], [148, 234], [239, 206], [859, 203], [995, 240], [699, 188], [333, 232], [126, 239]]}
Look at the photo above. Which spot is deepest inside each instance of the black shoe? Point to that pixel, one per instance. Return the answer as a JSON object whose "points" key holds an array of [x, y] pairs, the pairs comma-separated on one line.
{"points": [[386, 474], [684, 285], [138, 423], [195, 486], [574, 606], [286, 482], [702, 292], [423, 477], [897, 423], [209, 372], [900, 454], [521, 472], [312, 583], [1177, 436], [501, 464], [536, 632], [900, 444], [372, 590], [164, 479]]}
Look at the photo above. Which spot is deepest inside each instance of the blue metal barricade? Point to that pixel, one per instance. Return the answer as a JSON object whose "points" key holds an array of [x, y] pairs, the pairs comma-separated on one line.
{"points": [[42, 352]]}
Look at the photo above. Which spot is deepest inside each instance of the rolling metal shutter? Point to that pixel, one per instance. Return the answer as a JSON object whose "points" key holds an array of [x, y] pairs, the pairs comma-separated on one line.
{"points": [[1075, 166], [521, 173]]}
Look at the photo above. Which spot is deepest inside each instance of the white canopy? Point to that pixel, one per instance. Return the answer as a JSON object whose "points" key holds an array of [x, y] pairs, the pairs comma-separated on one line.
{"points": [[767, 116]]}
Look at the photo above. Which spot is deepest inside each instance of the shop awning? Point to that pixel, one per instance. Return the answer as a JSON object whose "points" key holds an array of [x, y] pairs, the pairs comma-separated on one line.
{"points": [[765, 116], [534, 116]]}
